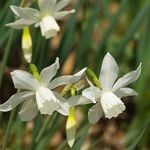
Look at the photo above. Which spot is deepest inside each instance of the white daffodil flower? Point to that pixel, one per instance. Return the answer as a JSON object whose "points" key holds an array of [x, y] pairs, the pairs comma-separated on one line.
{"points": [[46, 17], [108, 98], [38, 95]]}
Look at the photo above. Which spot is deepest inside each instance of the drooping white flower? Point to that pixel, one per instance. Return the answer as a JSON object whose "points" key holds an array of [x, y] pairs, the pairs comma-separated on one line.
{"points": [[46, 17], [38, 95], [107, 99]]}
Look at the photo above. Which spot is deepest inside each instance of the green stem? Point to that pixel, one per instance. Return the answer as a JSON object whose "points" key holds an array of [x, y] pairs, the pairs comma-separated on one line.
{"points": [[65, 90], [38, 122], [73, 91], [53, 128], [91, 75], [12, 115], [34, 71], [6, 54], [22, 3], [46, 123]]}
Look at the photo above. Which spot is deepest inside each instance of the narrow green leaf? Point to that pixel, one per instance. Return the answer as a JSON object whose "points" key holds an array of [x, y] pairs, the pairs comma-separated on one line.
{"points": [[53, 127], [139, 135], [6, 55], [82, 136], [68, 37], [12, 115], [84, 42], [143, 55], [133, 28], [114, 20]]}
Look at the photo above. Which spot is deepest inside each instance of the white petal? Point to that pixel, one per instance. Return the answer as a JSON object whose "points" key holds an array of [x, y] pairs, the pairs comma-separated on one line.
{"points": [[81, 72], [92, 93], [46, 5], [109, 72], [95, 113], [20, 23], [49, 72], [29, 110], [24, 80], [78, 100], [64, 108], [63, 103], [15, 100], [60, 15], [127, 79], [61, 4], [26, 13], [123, 92], [49, 27], [68, 79], [112, 105], [46, 101]]}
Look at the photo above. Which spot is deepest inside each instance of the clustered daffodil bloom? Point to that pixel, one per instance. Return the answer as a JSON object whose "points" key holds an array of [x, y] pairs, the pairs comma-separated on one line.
{"points": [[107, 98], [112, 89], [37, 91], [37, 94], [46, 17]]}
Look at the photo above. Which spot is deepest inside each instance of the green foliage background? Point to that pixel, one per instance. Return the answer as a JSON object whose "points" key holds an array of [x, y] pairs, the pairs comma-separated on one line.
{"points": [[121, 27]]}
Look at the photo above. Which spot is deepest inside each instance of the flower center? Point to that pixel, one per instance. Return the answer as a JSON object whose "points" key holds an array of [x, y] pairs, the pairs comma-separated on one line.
{"points": [[106, 94]]}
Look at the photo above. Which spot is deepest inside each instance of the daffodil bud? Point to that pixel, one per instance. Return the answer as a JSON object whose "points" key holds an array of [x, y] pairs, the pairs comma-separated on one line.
{"points": [[27, 44], [71, 127], [71, 123]]}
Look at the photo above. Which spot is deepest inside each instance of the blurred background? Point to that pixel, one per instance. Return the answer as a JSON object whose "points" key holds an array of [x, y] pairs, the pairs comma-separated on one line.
{"points": [[121, 27]]}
